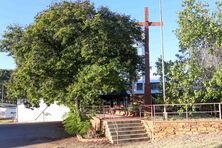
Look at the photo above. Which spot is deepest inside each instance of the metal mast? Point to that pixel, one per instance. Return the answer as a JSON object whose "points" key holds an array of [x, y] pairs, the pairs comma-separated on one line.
{"points": [[162, 50]]}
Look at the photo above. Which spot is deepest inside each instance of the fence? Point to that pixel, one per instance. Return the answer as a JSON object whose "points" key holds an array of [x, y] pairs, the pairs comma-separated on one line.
{"points": [[104, 111], [209, 111]]}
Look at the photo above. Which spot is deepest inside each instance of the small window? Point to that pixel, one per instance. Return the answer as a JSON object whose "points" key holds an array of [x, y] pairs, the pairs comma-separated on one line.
{"points": [[155, 86], [139, 86]]}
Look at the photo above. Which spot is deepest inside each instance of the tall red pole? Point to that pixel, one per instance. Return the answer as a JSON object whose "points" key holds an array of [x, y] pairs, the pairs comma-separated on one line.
{"points": [[146, 24], [147, 96]]}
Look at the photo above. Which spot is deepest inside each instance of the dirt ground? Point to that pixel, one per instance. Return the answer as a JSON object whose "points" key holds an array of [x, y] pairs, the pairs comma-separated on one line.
{"points": [[5, 121], [194, 141]]}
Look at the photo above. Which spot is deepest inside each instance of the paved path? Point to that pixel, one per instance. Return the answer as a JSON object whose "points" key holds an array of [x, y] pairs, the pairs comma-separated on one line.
{"points": [[24, 134]]}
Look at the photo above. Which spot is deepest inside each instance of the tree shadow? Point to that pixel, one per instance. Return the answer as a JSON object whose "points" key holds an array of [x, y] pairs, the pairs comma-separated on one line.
{"points": [[18, 135]]}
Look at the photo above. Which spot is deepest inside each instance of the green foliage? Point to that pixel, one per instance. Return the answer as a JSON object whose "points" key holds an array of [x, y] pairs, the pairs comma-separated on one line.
{"points": [[5, 75], [184, 85], [93, 80], [167, 66], [75, 123], [198, 26], [196, 75], [214, 87], [4, 78], [133, 108], [199, 33], [71, 53]]}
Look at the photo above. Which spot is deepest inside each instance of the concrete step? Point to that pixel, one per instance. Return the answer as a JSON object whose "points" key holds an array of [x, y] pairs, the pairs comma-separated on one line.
{"points": [[124, 125], [126, 128], [129, 136], [124, 121], [121, 141], [128, 132]]}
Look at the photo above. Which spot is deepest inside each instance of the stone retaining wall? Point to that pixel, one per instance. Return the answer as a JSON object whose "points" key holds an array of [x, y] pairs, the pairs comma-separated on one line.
{"points": [[100, 125], [163, 129]]}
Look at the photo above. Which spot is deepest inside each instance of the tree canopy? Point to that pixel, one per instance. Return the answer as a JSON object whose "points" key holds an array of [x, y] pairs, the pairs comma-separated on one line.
{"points": [[71, 53], [196, 75]]}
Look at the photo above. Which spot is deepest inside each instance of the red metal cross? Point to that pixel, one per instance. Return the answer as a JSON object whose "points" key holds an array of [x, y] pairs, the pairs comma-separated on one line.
{"points": [[146, 24]]}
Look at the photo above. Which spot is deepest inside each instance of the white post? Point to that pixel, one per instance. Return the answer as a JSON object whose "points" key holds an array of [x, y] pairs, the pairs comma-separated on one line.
{"points": [[220, 111], [162, 50], [43, 115], [154, 112], [17, 111], [186, 112]]}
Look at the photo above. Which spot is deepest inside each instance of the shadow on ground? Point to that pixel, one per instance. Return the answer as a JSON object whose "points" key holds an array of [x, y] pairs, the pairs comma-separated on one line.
{"points": [[220, 146], [24, 134]]}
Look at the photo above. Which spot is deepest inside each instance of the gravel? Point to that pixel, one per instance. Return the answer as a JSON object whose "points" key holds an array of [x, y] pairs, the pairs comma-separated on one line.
{"points": [[213, 140], [188, 141]]}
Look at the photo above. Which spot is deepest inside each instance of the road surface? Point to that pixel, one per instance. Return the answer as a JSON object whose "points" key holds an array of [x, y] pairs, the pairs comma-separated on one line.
{"points": [[25, 134]]}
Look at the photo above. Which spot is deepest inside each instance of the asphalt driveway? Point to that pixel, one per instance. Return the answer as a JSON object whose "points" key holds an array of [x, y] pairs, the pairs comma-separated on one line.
{"points": [[24, 134]]}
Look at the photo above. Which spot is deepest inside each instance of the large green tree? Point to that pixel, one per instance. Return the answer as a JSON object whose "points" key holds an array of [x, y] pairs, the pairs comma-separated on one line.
{"points": [[71, 53], [196, 76]]}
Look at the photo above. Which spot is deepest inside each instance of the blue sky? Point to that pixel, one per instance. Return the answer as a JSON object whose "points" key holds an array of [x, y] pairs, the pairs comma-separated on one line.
{"points": [[23, 12]]}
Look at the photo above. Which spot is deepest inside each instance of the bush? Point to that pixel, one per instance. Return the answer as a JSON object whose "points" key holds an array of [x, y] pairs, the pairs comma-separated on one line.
{"points": [[75, 123], [133, 108]]}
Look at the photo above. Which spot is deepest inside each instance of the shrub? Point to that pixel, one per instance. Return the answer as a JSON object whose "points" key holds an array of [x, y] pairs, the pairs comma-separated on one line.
{"points": [[75, 123], [133, 108]]}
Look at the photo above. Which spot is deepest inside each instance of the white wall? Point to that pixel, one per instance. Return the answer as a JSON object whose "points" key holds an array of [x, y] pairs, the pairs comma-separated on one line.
{"points": [[53, 112]]}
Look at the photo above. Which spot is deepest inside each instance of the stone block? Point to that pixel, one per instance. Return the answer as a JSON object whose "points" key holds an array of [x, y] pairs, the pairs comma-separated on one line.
{"points": [[202, 129], [189, 133], [195, 133], [157, 130], [210, 129], [180, 133], [194, 129], [173, 128]]}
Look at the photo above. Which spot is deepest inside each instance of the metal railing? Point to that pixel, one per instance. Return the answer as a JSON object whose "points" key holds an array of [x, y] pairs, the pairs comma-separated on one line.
{"points": [[101, 111], [105, 112], [113, 119], [210, 111], [155, 112], [195, 111]]}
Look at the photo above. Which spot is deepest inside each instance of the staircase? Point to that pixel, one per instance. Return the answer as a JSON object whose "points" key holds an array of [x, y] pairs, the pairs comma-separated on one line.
{"points": [[123, 131]]}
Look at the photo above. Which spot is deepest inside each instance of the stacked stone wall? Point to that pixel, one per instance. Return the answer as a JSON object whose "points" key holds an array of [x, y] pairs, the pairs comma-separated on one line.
{"points": [[163, 129]]}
